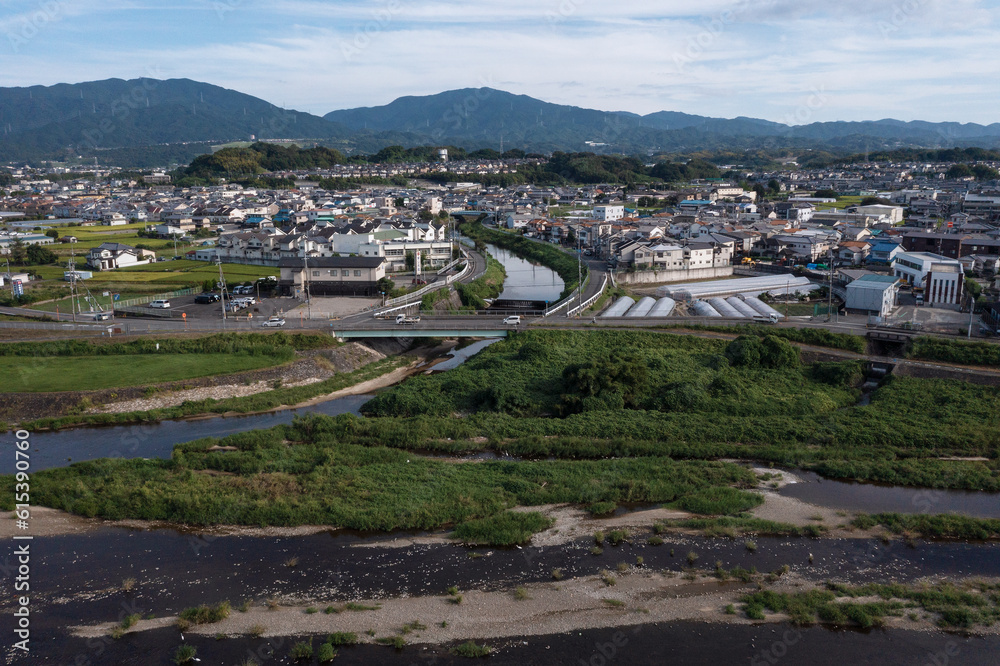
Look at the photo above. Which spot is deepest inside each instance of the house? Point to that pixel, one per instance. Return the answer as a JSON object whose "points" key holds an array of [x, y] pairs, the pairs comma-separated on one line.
{"points": [[331, 276], [609, 213], [942, 279], [853, 252], [109, 256], [883, 252], [873, 295], [660, 257]]}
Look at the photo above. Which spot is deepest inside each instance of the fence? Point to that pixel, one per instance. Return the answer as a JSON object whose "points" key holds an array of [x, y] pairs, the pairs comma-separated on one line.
{"points": [[142, 300], [569, 299], [590, 301], [414, 297]]}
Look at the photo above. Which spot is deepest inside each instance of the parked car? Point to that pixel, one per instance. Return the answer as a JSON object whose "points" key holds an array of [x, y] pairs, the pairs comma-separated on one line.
{"points": [[161, 304], [274, 321], [207, 297], [513, 320]]}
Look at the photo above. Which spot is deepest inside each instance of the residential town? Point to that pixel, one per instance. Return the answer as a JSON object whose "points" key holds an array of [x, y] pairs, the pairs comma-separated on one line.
{"points": [[908, 221]]}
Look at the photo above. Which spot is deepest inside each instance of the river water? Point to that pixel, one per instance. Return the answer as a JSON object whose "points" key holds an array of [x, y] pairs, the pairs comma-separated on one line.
{"points": [[527, 281], [878, 498]]}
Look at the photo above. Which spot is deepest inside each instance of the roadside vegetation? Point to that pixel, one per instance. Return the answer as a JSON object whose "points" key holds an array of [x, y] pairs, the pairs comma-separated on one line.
{"points": [[955, 351]]}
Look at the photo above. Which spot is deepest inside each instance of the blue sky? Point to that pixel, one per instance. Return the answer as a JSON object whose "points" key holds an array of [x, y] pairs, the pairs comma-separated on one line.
{"points": [[793, 61]]}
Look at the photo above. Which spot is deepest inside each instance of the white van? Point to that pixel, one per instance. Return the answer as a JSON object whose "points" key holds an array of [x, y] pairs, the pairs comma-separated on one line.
{"points": [[160, 304], [513, 320]]}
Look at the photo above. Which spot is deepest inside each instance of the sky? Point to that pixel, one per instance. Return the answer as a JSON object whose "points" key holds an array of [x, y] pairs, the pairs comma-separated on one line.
{"points": [[791, 61]]}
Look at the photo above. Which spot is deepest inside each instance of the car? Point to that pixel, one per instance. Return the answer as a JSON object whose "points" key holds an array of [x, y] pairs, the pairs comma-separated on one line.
{"points": [[102, 316], [161, 304], [274, 321], [513, 320], [207, 297]]}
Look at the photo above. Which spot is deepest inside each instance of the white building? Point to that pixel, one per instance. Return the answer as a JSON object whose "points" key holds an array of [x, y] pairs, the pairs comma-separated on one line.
{"points": [[942, 279], [609, 213]]}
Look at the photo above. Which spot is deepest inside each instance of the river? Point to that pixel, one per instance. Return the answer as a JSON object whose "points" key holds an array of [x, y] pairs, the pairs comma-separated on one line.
{"points": [[527, 281]]}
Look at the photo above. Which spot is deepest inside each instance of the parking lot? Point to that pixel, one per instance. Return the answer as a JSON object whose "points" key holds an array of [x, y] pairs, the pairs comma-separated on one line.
{"points": [[261, 310]]}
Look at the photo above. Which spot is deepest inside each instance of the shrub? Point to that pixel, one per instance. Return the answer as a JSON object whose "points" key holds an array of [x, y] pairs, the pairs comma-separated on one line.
{"points": [[206, 614], [342, 638], [184, 654], [326, 653], [471, 650], [301, 650]]}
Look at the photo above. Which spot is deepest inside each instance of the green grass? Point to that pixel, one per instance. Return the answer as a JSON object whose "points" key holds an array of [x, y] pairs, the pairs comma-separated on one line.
{"points": [[320, 480], [471, 650], [267, 400], [23, 375], [505, 529], [206, 614], [933, 526], [960, 607]]}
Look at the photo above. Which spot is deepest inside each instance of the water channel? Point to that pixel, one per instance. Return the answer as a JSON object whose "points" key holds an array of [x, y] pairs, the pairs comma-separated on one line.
{"points": [[527, 281]]}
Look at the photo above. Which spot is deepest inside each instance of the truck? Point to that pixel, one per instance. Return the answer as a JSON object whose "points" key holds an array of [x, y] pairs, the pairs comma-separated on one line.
{"points": [[403, 319]]}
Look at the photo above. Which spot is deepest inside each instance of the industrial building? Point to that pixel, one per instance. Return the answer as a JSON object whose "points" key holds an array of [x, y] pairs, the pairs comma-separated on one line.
{"points": [[774, 284], [873, 295]]}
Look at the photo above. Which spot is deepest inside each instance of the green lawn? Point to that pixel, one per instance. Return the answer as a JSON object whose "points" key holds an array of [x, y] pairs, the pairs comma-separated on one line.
{"points": [[842, 203], [85, 373]]}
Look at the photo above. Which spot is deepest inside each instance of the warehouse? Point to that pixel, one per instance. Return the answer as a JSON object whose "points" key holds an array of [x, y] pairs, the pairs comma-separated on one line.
{"points": [[775, 284], [873, 295]]}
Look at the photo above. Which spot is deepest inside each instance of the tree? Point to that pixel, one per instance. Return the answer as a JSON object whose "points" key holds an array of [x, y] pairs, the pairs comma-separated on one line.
{"points": [[425, 215], [385, 286], [825, 194], [959, 171], [18, 255], [571, 237], [399, 202], [52, 233], [760, 190], [36, 254], [207, 285], [774, 186]]}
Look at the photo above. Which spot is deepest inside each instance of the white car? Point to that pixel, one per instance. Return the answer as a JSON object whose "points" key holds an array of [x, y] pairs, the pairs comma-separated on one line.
{"points": [[513, 320], [274, 321], [160, 304]]}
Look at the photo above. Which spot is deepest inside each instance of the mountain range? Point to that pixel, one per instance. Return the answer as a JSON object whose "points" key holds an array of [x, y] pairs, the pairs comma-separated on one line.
{"points": [[148, 122]]}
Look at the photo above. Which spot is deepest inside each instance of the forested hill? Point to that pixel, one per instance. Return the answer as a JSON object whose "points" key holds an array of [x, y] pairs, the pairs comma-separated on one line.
{"points": [[91, 118]]}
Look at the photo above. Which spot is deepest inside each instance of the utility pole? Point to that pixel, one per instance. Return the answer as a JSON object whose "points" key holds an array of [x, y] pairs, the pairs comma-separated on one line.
{"points": [[579, 272], [972, 313], [305, 277], [72, 280], [829, 308], [222, 291]]}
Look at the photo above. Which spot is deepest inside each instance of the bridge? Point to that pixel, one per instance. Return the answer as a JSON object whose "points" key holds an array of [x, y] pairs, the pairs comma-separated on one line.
{"points": [[412, 332]]}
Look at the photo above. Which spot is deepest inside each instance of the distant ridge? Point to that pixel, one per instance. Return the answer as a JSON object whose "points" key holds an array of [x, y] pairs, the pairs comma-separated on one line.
{"points": [[147, 121]]}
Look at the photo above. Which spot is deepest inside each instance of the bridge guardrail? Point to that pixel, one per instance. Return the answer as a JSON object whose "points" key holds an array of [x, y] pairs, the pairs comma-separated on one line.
{"points": [[412, 298], [590, 301]]}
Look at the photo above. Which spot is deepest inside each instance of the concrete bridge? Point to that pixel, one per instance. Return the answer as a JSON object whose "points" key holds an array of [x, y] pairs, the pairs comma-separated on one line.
{"points": [[412, 332]]}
